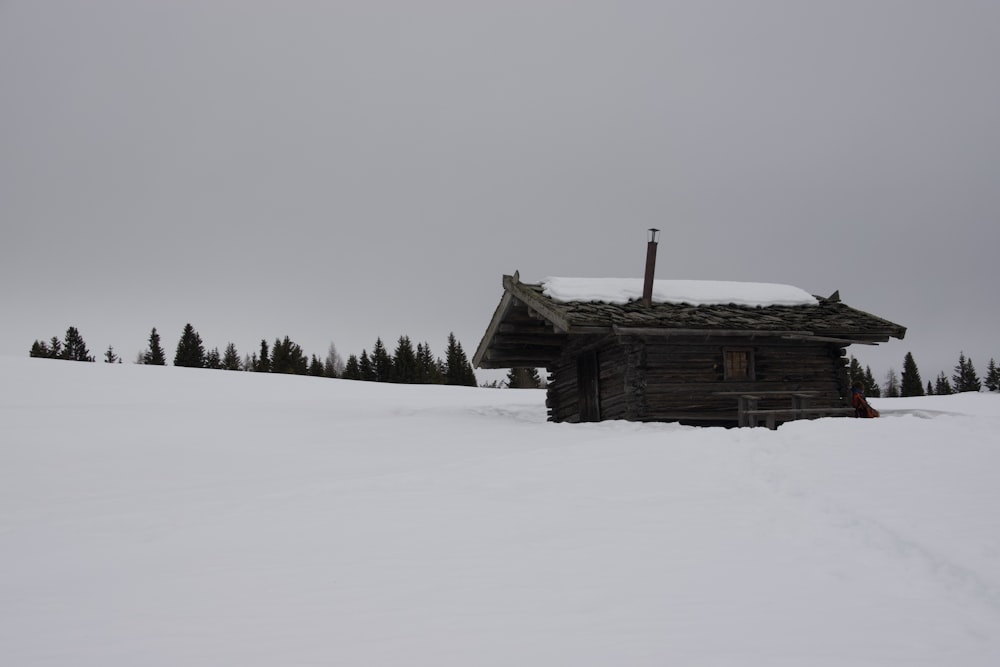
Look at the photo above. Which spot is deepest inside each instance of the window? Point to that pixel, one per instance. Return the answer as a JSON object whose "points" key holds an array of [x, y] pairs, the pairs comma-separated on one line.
{"points": [[738, 363]]}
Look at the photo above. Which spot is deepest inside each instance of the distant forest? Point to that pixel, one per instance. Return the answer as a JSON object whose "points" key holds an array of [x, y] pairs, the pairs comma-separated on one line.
{"points": [[409, 365], [909, 383], [405, 365]]}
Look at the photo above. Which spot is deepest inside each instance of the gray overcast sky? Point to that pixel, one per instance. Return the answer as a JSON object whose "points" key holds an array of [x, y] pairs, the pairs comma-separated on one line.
{"points": [[340, 171]]}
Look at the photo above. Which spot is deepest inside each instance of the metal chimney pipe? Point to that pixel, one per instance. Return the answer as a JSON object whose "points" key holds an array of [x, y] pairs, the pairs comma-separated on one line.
{"points": [[647, 285]]}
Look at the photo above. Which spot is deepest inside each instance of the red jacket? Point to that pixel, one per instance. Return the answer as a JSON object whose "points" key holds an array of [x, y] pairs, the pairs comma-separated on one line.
{"points": [[861, 406]]}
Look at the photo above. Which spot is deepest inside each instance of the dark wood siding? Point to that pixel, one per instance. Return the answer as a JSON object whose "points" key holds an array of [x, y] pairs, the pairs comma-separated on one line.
{"points": [[678, 379]]}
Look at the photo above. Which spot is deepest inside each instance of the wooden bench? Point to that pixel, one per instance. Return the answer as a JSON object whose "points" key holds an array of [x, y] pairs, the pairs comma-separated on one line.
{"points": [[748, 414], [771, 417]]}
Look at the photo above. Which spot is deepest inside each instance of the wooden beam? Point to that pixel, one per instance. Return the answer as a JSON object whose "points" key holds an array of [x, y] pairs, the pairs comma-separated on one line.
{"points": [[528, 340], [516, 361], [660, 332], [498, 316], [513, 286], [828, 339]]}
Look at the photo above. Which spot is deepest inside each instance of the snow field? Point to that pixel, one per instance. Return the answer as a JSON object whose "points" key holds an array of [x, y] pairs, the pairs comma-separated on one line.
{"points": [[167, 516]]}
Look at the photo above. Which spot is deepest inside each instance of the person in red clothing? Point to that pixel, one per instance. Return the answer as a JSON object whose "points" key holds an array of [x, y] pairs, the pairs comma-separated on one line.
{"points": [[860, 403]]}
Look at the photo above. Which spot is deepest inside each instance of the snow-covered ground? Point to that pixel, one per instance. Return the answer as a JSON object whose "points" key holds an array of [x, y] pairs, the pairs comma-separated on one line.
{"points": [[165, 517]]}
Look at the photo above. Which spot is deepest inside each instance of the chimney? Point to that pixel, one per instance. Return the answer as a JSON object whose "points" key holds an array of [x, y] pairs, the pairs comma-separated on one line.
{"points": [[647, 285]]}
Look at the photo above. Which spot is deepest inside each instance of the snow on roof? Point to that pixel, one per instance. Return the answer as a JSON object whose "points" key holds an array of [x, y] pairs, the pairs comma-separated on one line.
{"points": [[694, 292]]}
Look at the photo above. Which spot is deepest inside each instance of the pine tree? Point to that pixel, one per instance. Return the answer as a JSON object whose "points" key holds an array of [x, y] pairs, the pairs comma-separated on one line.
{"points": [[404, 362], [288, 357], [154, 356], [231, 358], [74, 347], [110, 357], [263, 364], [458, 370], [381, 362], [942, 387], [992, 376], [365, 368], [428, 368], [965, 377], [523, 378], [911, 384], [855, 372], [352, 370], [39, 349], [973, 382], [315, 367], [872, 388], [930, 389], [190, 350], [55, 348], [213, 359]]}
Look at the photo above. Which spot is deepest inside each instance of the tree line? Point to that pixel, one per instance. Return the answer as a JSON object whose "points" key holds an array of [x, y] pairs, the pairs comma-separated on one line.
{"points": [[909, 383], [406, 364]]}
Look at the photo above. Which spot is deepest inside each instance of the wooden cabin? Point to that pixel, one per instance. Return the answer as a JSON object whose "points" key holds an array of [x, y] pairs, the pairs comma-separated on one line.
{"points": [[719, 364]]}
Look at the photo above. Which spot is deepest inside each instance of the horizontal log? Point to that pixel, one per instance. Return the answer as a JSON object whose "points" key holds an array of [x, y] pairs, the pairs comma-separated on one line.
{"points": [[545, 340], [660, 332]]}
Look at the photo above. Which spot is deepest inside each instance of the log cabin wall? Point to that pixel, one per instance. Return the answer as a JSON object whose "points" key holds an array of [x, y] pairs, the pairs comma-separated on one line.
{"points": [[678, 379], [563, 398], [684, 378]]}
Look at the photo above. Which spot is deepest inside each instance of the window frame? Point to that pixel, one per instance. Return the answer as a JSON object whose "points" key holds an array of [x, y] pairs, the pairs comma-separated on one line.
{"points": [[729, 368]]}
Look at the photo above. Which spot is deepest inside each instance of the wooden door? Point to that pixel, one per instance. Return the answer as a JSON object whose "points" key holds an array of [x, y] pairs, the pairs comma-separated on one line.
{"points": [[588, 372]]}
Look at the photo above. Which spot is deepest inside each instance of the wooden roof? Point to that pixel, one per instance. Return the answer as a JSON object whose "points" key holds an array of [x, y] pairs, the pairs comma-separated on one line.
{"points": [[530, 329]]}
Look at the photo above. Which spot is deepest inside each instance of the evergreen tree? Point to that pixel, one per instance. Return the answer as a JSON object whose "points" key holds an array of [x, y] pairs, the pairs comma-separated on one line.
{"points": [[365, 367], [965, 377], [154, 355], [872, 388], [39, 349], [930, 389], [428, 368], [110, 357], [263, 364], [457, 368], [288, 357], [190, 350], [911, 384], [315, 367], [992, 376], [281, 356], [381, 362], [74, 347], [404, 362], [855, 372], [352, 371], [213, 359], [942, 387], [231, 358], [523, 378], [55, 348]]}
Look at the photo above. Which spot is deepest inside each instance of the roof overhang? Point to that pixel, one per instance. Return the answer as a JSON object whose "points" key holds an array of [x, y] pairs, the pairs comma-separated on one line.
{"points": [[530, 330], [523, 333]]}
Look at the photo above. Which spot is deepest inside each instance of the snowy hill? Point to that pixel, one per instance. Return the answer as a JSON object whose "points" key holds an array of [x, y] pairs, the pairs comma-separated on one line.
{"points": [[166, 516]]}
